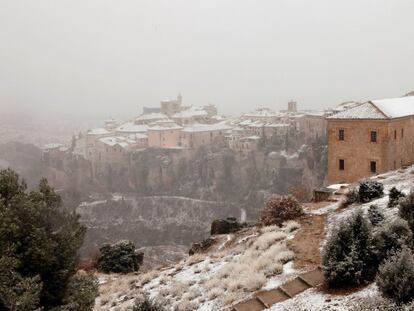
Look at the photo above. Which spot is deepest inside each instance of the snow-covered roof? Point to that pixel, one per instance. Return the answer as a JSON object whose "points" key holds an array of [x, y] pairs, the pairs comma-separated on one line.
{"points": [[112, 141], [98, 131], [395, 107], [164, 126], [362, 111], [130, 127], [276, 125], [52, 146], [379, 109], [189, 113], [134, 137], [207, 127], [261, 113], [151, 116]]}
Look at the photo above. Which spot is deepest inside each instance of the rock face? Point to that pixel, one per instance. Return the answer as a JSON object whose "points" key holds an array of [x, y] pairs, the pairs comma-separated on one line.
{"points": [[150, 221]]}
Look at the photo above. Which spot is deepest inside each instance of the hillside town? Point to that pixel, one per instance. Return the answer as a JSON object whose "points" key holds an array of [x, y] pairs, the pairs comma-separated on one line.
{"points": [[363, 139], [176, 126]]}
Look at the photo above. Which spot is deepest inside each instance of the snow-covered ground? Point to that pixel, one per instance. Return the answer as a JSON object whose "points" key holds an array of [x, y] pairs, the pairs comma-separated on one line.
{"points": [[237, 266], [240, 264]]}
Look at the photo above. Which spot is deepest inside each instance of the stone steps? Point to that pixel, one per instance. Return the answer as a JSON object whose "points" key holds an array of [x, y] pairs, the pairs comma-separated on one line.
{"points": [[266, 298]]}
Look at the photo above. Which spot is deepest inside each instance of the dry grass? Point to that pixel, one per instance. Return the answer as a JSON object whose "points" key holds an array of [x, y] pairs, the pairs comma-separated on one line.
{"points": [[148, 277], [291, 226], [195, 259], [264, 241], [239, 270]]}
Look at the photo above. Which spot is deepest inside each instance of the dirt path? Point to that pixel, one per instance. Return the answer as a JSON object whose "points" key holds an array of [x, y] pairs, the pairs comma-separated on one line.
{"points": [[307, 240]]}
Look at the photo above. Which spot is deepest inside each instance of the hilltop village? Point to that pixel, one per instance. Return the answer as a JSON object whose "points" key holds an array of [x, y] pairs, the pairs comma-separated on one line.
{"points": [[362, 139], [176, 126]]}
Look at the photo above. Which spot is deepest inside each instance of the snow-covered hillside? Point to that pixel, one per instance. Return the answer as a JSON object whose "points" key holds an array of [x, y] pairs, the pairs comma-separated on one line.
{"points": [[254, 259]]}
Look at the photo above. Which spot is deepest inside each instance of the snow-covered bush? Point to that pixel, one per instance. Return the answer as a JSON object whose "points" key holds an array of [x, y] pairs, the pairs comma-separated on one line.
{"points": [[390, 238], [406, 210], [395, 278], [280, 209], [369, 190], [375, 216], [394, 196], [347, 255], [351, 197], [146, 304], [119, 258]]}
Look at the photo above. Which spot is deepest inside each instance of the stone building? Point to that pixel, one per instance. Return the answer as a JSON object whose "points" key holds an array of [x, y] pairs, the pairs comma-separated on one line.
{"points": [[164, 134], [370, 138], [201, 134]]}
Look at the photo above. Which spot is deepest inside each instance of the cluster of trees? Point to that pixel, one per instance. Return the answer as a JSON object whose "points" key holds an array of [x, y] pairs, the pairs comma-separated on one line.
{"points": [[39, 241], [362, 249]]}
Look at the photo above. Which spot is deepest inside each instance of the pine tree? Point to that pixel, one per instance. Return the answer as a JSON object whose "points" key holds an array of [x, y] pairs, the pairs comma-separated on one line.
{"points": [[395, 278], [40, 238], [394, 196], [374, 215], [406, 210], [347, 255], [390, 238]]}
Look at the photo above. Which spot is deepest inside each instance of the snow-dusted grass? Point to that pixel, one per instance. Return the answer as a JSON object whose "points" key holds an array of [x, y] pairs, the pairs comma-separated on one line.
{"points": [[291, 226], [208, 282], [227, 275]]}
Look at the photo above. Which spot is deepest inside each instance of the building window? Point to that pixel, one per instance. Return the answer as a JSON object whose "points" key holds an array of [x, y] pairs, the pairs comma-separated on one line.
{"points": [[395, 165], [341, 134], [373, 166], [395, 134], [402, 133], [341, 164], [373, 136]]}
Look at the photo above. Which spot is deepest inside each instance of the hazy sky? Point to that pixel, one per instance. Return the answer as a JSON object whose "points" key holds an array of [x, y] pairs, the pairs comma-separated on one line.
{"points": [[102, 57]]}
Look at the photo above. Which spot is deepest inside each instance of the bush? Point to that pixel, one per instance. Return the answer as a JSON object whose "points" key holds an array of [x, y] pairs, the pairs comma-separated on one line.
{"points": [[406, 210], [119, 258], [347, 255], [374, 215], [279, 209], [369, 190], [391, 238], [351, 197], [394, 196], [395, 278], [39, 240], [146, 304], [224, 226]]}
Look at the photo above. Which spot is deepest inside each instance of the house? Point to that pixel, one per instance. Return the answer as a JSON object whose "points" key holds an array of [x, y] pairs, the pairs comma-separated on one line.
{"points": [[129, 128], [243, 144], [275, 129], [145, 119], [164, 134], [370, 138], [190, 116], [200, 134], [263, 115]]}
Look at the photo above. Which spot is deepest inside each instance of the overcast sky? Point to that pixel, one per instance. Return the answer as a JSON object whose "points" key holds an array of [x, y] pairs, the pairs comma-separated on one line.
{"points": [[109, 58]]}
